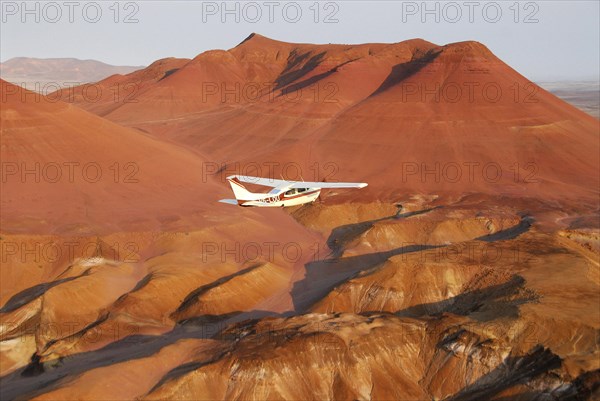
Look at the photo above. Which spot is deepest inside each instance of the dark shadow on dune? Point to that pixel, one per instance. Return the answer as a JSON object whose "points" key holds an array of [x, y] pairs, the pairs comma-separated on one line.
{"points": [[191, 298], [233, 317], [233, 333], [140, 284], [580, 389], [312, 80], [485, 304], [290, 75], [324, 275], [295, 58], [415, 213], [29, 294], [184, 369], [401, 72], [101, 319], [247, 39], [512, 371], [38, 378], [168, 73], [510, 233], [341, 236], [584, 387]]}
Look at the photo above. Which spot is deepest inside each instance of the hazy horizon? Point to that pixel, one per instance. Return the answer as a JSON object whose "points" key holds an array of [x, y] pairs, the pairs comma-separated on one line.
{"points": [[565, 79]]}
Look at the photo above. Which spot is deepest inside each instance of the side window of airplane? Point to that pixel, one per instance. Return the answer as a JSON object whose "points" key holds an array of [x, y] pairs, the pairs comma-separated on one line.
{"points": [[301, 190], [291, 192]]}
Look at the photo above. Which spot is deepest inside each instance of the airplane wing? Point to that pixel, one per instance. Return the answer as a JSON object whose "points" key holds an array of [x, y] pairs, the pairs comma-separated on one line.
{"points": [[267, 182], [280, 185], [306, 184]]}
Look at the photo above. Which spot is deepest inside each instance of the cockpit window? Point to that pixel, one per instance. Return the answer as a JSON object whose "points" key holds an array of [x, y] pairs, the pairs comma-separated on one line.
{"points": [[291, 192]]}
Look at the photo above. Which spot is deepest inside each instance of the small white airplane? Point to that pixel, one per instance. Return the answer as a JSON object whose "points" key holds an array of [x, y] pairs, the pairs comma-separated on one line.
{"points": [[284, 193]]}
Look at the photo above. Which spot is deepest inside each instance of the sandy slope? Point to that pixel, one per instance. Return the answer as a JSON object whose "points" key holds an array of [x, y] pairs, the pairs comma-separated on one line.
{"points": [[474, 289], [447, 119], [69, 170]]}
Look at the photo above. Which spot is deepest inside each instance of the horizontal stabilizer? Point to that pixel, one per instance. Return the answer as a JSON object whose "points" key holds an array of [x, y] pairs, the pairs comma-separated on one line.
{"points": [[229, 201]]}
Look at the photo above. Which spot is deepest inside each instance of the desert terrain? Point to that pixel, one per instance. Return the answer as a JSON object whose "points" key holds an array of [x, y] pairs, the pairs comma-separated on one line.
{"points": [[47, 75], [468, 269], [584, 95]]}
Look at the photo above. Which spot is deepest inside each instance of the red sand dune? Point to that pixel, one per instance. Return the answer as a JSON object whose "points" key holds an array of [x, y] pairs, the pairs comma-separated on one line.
{"points": [[108, 94], [407, 117], [65, 169]]}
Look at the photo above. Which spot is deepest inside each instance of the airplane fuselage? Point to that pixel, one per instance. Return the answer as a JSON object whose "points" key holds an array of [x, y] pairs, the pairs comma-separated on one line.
{"points": [[288, 198]]}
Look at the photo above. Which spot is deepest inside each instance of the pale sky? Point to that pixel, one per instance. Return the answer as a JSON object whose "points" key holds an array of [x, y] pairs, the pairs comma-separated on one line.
{"points": [[544, 40]]}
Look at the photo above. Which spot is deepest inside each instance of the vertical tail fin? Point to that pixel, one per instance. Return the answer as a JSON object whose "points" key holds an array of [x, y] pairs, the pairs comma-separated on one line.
{"points": [[240, 192]]}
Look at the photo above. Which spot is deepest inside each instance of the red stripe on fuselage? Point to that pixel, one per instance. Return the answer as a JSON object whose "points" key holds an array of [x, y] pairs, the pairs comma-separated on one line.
{"points": [[235, 181]]}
